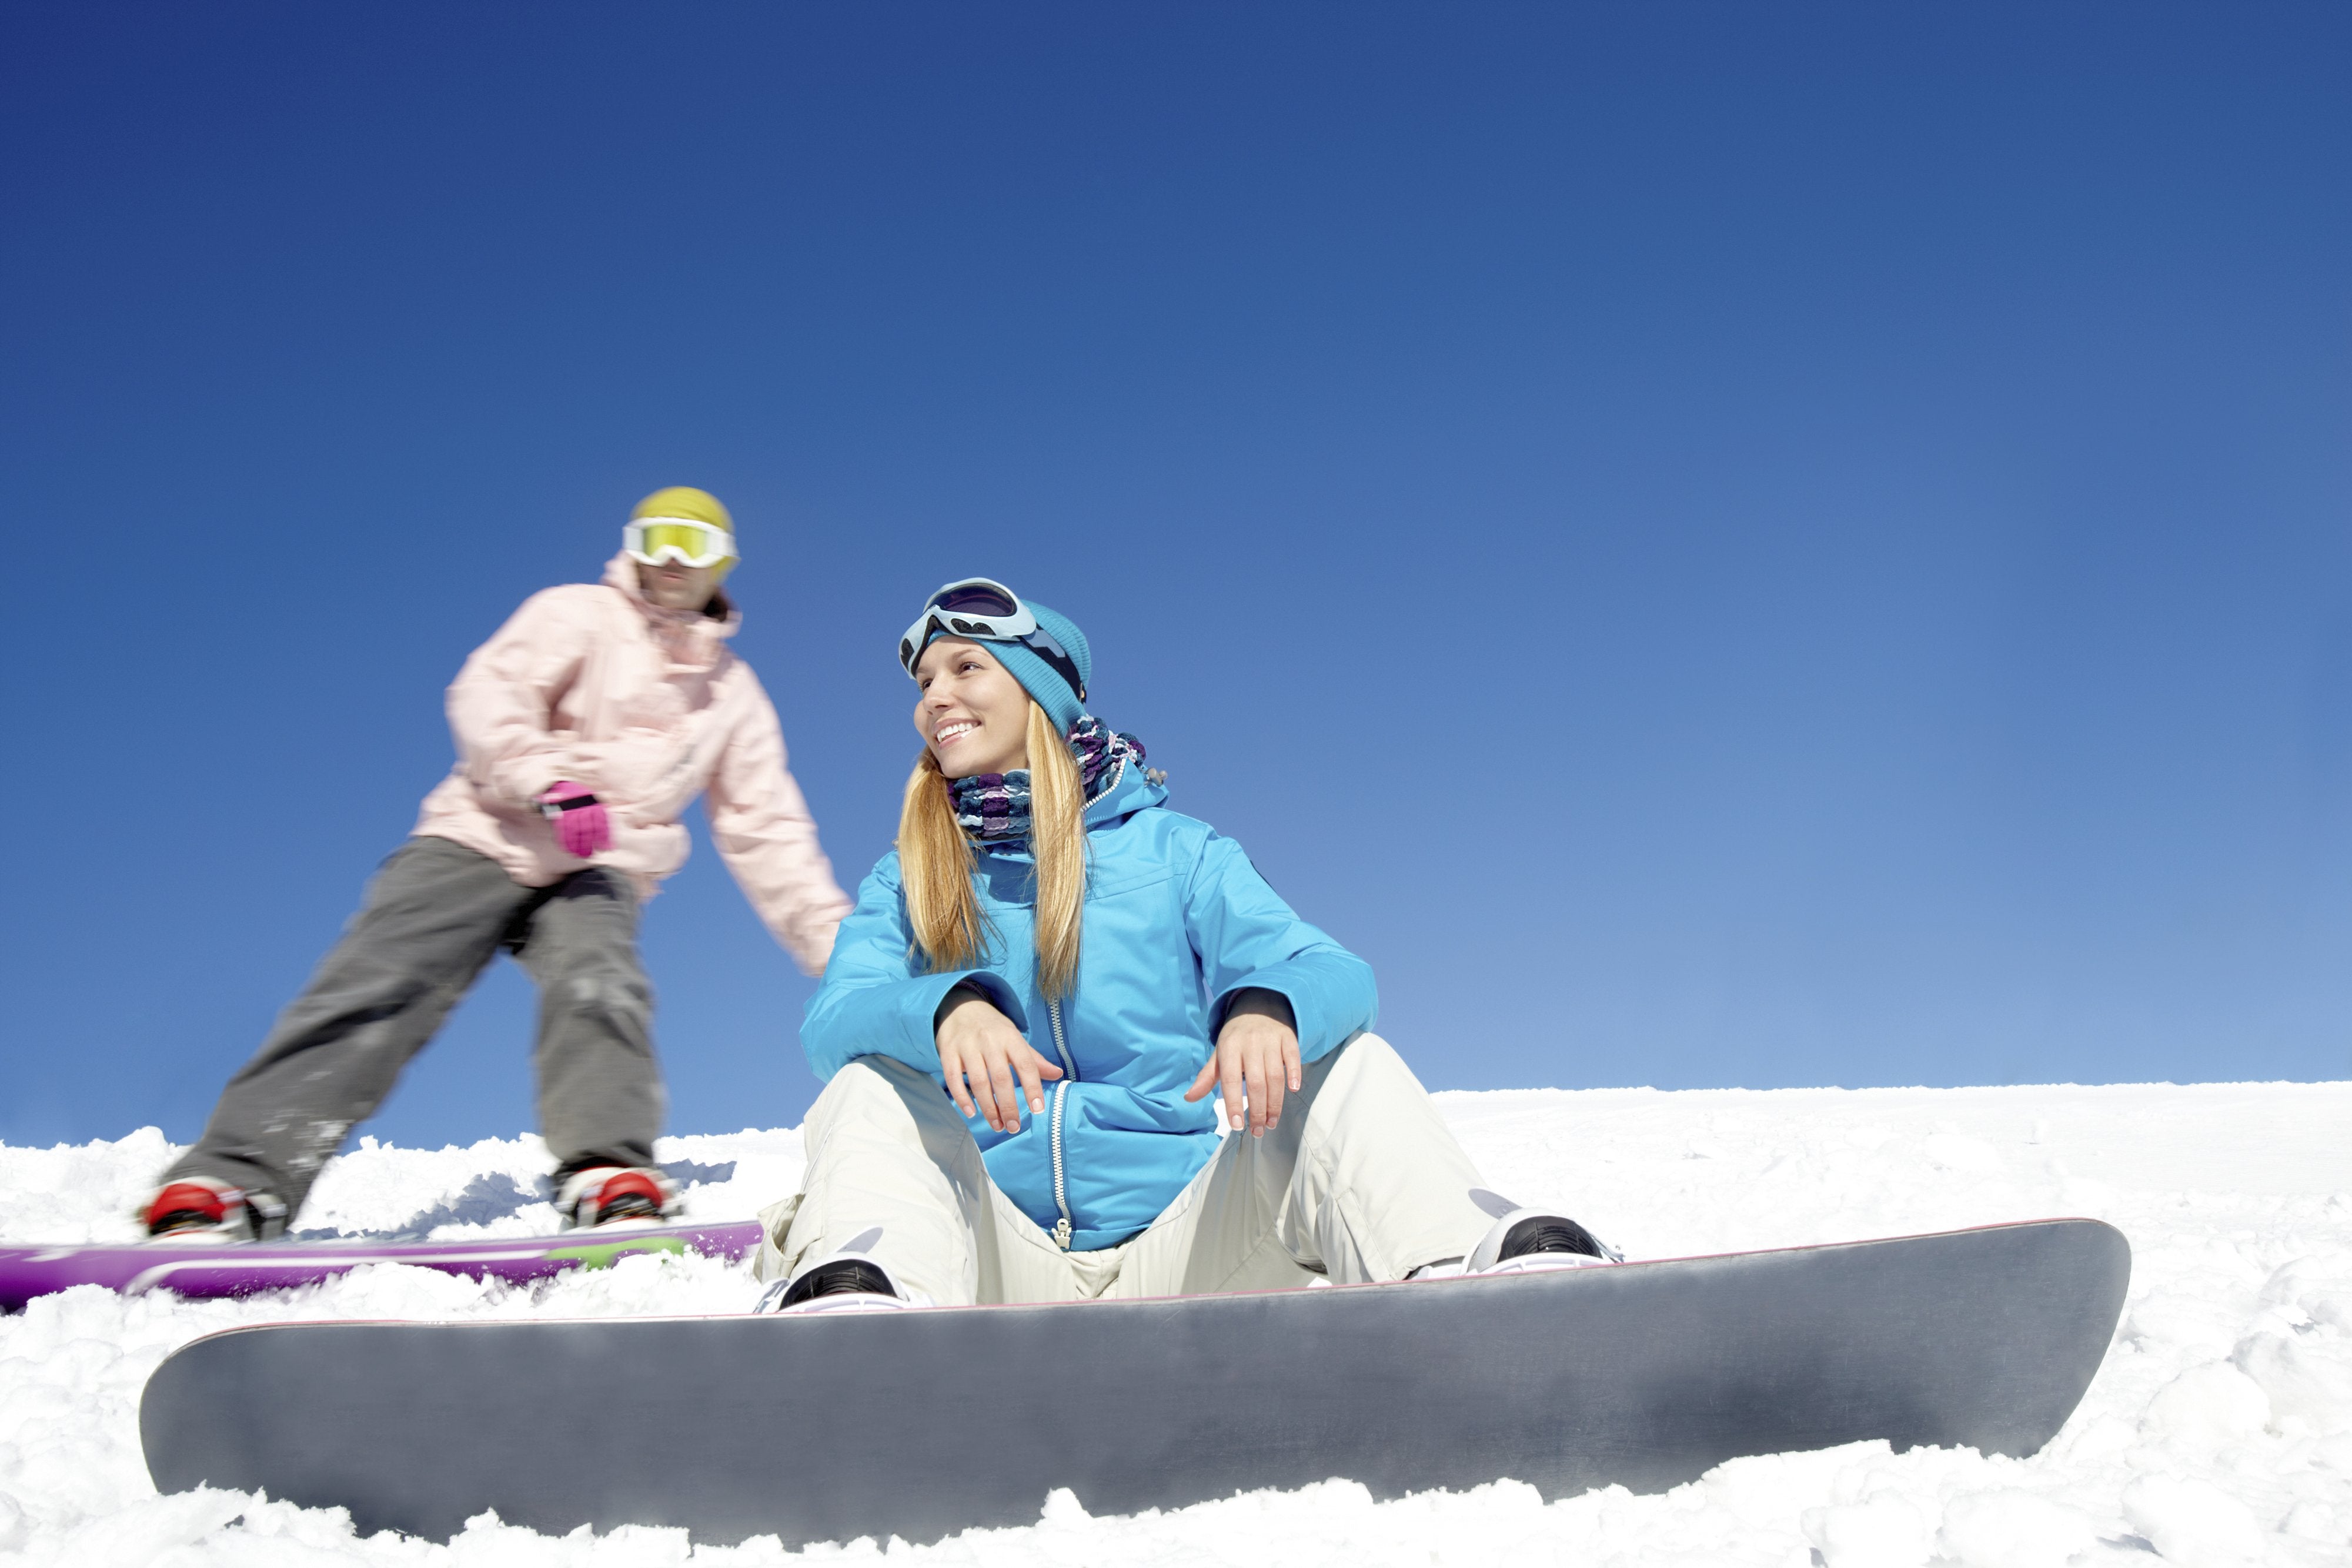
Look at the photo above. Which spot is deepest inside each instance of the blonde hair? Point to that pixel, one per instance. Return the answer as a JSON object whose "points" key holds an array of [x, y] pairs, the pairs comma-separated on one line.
{"points": [[935, 863]]}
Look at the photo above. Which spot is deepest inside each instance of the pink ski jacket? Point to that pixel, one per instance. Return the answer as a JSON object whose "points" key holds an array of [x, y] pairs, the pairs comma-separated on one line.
{"points": [[648, 708]]}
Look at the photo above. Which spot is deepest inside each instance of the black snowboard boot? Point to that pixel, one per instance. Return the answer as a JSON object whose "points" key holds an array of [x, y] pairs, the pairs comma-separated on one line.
{"points": [[1541, 1233], [1530, 1241], [842, 1277], [846, 1281]]}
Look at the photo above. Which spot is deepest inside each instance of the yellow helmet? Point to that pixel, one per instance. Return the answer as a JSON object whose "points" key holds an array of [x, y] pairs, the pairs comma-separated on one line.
{"points": [[684, 523]]}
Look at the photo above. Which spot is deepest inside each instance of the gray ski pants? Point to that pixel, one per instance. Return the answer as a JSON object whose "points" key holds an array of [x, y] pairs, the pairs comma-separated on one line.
{"points": [[435, 915]]}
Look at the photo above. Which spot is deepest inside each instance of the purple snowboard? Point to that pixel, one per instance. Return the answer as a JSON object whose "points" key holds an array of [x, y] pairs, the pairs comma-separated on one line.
{"points": [[214, 1268]]}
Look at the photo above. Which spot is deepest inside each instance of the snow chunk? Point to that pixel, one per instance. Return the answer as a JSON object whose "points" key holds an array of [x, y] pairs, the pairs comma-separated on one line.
{"points": [[2188, 1521]]}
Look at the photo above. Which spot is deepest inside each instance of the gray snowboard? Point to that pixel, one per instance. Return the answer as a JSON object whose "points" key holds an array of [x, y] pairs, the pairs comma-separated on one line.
{"points": [[919, 1424]]}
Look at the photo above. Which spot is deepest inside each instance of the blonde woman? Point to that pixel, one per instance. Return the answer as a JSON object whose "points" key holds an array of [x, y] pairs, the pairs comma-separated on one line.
{"points": [[1088, 976]]}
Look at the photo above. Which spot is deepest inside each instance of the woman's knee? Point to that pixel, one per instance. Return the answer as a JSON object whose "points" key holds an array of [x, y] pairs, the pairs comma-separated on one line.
{"points": [[857, 1082], [871, 1086], [1366, 1059]]}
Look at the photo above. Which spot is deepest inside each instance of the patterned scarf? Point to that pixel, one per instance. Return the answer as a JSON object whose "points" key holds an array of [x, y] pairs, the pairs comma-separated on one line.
{"points": [[991, 805]]}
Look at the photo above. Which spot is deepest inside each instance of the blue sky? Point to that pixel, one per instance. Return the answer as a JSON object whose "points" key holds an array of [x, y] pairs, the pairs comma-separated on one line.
{"points": [[1716, 545]]}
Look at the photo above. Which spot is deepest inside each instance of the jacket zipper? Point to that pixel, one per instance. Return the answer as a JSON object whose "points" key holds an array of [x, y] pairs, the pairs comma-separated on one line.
{"points": [[1062, 1227], [1061, 1049], [1061, 1191]]}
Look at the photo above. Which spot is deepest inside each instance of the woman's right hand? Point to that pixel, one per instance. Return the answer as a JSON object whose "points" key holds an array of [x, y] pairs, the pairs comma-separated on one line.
{"points": [[981, 1054]]}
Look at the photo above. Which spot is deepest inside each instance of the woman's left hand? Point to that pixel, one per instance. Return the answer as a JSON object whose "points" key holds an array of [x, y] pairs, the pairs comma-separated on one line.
{"points": [[1257, 1060]]}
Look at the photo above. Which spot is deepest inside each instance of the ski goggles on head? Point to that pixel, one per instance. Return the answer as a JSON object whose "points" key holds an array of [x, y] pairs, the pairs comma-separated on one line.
{"points": [[984, 609], [976, 607], [686, 540]]}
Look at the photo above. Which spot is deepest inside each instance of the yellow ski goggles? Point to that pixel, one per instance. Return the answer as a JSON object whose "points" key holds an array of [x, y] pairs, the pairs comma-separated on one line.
{"points": [[653, 541]]}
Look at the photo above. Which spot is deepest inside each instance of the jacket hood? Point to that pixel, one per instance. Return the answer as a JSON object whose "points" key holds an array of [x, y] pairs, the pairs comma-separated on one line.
{"points": [[1133, 793]]}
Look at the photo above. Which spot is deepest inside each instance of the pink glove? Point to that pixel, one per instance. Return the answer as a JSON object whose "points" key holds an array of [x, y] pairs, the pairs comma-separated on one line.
{"points": [[581, 825]]}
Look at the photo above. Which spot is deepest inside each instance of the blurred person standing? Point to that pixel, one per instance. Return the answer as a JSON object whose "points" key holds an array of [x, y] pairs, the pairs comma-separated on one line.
{"points": [[584, 728]]}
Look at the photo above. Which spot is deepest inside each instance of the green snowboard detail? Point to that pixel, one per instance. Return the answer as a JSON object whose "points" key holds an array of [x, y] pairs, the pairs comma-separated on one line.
{"points": [[600, 1255]]}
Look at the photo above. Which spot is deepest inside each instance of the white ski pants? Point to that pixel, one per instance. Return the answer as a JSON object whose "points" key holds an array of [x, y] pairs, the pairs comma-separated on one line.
{"points": [[1362, 1181]]}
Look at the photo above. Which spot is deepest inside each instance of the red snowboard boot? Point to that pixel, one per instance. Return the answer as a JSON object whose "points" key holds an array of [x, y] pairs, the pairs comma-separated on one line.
{"points": [[198, 1209], [601, 1195]]}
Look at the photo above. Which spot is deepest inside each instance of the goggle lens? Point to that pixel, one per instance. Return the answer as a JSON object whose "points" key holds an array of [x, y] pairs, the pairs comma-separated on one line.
{"points": [[697, 544], [974, 598]]}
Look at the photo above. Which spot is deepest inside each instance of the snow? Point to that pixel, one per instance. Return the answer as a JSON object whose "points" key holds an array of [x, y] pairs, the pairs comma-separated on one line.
{"points": [[2218, 1431]]}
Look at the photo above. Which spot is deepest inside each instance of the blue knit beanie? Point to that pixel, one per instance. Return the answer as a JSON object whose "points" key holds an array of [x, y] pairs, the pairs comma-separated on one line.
{"points": [[1064, 703]]}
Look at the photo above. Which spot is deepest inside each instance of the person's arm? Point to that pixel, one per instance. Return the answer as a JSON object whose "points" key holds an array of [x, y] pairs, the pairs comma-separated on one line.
{"points": [[873, 1001], [1248, 938], [764, 831], [502, 703], [1283, 993]]}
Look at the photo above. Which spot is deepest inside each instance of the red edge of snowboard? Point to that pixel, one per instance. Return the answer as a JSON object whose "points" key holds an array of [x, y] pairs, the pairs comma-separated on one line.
{"points": [[752, 1225]]}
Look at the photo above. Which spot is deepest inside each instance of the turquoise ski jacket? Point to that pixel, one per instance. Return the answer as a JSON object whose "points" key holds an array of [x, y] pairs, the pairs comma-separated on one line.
{"points": [[1176, 921]]}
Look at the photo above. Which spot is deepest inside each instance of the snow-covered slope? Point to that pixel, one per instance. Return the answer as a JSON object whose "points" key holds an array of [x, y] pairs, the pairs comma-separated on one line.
{"points": [[2220, 1430]]}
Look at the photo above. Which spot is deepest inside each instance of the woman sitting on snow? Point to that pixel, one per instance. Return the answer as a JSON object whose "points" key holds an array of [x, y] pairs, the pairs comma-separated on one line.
{"points": [[1059, 950]]}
